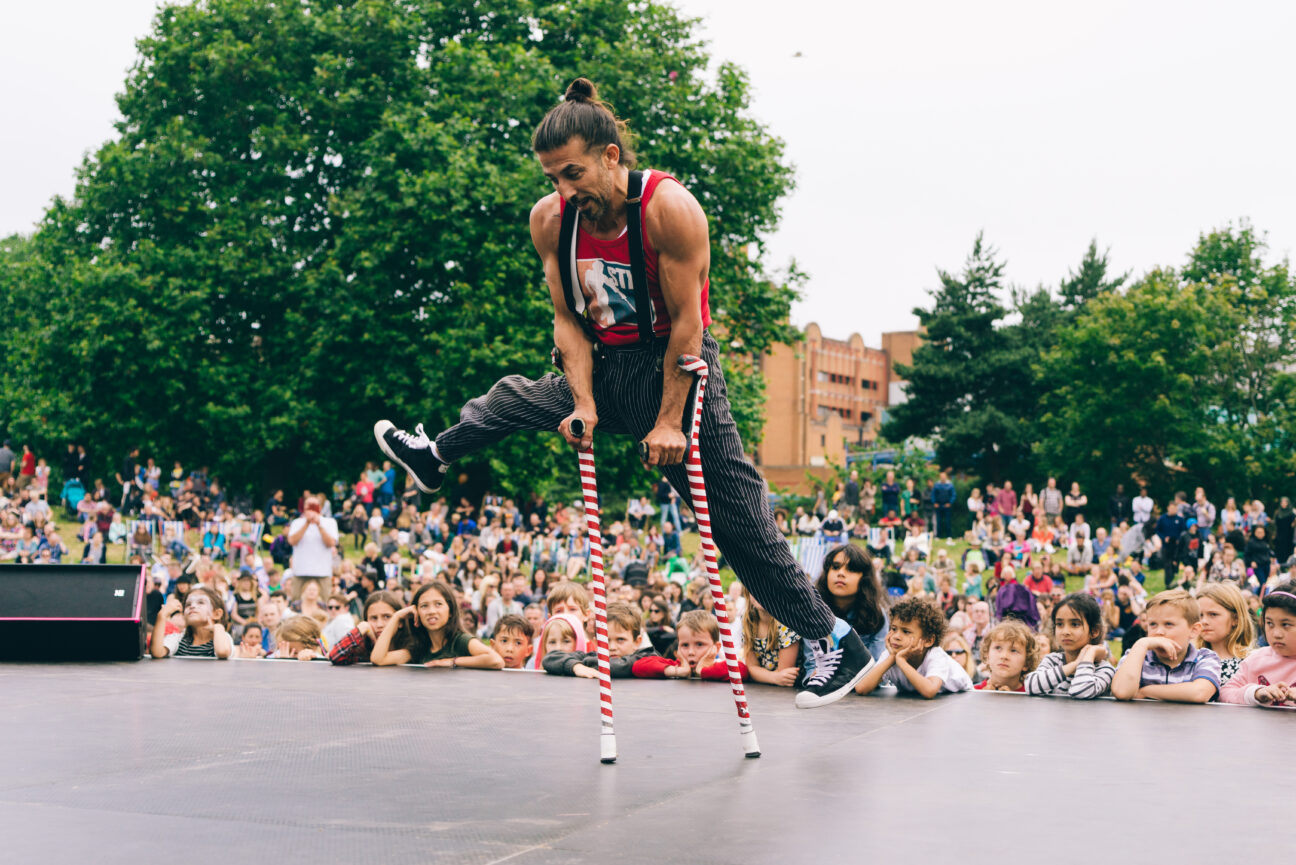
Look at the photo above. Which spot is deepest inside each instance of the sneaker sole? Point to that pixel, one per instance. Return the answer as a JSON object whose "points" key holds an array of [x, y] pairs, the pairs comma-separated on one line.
{"points": [[379, 429], [814, 702]]}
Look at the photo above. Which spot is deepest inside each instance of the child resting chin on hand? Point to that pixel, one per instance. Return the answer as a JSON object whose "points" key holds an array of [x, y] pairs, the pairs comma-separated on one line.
{"points": [[915, 661], [697, 653], [1165, 665], [625, 628]]}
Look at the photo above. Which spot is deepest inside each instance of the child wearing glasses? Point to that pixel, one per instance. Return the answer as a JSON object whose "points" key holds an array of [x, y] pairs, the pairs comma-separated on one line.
{"points": [[340, 621]]}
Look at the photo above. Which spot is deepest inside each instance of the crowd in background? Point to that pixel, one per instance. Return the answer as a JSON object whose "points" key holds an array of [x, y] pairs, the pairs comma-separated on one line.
{"points": [[497, 583]]}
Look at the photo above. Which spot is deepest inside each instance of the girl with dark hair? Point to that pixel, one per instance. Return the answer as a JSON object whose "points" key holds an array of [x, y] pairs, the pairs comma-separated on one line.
{"points": [[204, 635], [356, 646], [430, 632], [1268, 675], [850, 585], [1081, 668]]}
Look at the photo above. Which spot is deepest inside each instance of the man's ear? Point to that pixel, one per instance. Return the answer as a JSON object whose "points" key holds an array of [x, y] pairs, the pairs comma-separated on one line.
{"points": [[611, 156]]}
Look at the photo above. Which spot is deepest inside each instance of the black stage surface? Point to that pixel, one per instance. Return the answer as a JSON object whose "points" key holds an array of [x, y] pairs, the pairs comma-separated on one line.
{"points": [[280, 763]]}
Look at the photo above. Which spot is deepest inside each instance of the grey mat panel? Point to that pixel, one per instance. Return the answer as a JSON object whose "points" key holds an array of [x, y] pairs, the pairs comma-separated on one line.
{"points": [[303, 763]]}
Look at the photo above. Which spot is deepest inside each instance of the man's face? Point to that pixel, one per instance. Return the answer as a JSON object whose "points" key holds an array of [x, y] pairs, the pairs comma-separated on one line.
{"points": [[507, 591], [582, 177], [981, 613], [569, 606]]}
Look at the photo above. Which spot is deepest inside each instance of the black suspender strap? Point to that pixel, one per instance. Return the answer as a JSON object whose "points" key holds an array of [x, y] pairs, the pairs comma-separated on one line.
{"points": [[567, 238], [638, 274]]}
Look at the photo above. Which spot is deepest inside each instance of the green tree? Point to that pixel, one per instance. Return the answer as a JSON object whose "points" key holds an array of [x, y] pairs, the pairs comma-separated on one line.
{"points": [[1090, 280], [964, 376], [315, 214]]}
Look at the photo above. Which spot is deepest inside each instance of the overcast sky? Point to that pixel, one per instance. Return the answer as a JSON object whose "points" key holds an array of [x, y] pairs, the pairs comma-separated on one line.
{"points": [[912, 126]]}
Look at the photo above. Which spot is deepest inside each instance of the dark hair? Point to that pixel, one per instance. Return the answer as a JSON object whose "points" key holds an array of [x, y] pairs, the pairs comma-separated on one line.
{"points": [[865, 614], [1282, 602], [382, 596], [929, 617], [514, 622], [1086, 608], [413, 637], [583, 114]]}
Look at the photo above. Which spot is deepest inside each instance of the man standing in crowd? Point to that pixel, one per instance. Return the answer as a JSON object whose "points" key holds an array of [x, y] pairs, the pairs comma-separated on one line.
{"points": [[312, 537], [1006, 499], [1205, 514], [667, 502], [7, 460], [1141, 507], [72, 465], [850, 496], [1169, 529], [1118, 506], [127, 478], [890, 494], [1051, 501], [626, 255], [943, 502]]}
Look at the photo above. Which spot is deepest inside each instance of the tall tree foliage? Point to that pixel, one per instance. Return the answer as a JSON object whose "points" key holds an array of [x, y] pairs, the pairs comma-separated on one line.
{"points": [[315, 214]]}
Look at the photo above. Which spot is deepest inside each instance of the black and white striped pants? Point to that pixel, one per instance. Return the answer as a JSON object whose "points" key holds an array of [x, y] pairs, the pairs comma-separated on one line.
{"points": [[627, 392]]}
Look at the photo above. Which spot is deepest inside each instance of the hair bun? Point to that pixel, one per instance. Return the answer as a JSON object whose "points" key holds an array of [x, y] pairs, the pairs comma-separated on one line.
{"points": [[581, 90]]}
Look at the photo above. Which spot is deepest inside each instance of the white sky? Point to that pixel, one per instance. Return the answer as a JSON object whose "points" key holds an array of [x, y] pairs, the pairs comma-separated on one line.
{"points": [[912, 125]]}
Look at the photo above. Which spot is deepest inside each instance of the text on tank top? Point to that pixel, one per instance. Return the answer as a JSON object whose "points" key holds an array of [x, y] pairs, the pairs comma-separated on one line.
{"points": [[606, 287]]}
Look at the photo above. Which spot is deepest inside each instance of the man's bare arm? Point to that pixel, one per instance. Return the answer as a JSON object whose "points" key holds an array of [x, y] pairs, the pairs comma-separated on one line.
{"points": [[573, 345], [677, 228]]}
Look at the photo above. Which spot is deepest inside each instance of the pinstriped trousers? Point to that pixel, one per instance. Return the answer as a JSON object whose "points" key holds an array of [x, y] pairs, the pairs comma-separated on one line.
{"points": [[627, 392]]}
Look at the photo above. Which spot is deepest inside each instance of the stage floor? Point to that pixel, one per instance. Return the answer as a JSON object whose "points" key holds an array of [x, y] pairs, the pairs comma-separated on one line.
{"points": [[281, 763]]}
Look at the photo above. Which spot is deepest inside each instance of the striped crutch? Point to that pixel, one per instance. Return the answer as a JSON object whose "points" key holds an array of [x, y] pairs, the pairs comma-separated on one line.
{"points": [[589, 490], [697, 492]]}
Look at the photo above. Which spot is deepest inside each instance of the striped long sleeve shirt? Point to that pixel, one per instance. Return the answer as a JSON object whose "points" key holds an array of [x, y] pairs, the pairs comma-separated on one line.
{"points": [[1089, 680]]}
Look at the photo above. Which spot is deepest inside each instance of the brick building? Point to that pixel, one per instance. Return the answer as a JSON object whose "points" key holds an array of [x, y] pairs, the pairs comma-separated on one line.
{"points": [[822, 394]]}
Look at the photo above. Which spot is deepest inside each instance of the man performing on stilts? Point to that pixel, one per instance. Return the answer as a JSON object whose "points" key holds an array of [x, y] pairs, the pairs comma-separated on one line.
{"points": [[626, 255]]}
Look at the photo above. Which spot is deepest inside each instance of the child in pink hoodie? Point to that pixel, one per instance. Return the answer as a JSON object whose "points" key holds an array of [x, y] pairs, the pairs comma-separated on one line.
{"points": [[1268, 676], [564, 632]]}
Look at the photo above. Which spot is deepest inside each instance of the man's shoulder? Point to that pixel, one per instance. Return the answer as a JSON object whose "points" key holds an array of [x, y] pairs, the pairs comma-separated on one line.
{"points": [[546, 221]]}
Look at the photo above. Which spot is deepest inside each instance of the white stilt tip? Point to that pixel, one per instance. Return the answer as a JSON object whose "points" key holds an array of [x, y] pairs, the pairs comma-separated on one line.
{"points": [[607, 745], [750, 747]]}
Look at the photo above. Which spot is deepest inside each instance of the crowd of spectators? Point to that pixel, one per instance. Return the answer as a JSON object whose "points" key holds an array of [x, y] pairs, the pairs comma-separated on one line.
{"points": [[370, 572]]}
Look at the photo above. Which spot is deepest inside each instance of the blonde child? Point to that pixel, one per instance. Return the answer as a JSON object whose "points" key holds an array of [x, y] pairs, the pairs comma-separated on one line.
{"points": [[770, 649], [1010, 652], [625, 628], [697, 653], [1080, 667], [914, 661], [956, 646], [573, 598], [1268, 676], [563, 632], [1227, 629], [1165, 665], [299, 637]]}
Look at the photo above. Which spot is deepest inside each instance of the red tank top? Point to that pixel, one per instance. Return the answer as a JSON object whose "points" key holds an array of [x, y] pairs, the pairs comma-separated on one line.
{"points": [[606, 288]]}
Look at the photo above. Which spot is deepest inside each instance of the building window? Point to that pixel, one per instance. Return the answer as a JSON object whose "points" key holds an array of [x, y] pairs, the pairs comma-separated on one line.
{"points": [[822, 376], [823, 441]]}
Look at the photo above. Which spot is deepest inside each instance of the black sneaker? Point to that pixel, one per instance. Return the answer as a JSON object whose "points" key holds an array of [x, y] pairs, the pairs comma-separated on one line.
{"points": [[412, 452], [838, 666]]}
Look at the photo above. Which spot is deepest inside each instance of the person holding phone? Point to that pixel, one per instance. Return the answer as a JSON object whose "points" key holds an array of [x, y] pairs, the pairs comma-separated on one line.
{"points": [[312, 537]]}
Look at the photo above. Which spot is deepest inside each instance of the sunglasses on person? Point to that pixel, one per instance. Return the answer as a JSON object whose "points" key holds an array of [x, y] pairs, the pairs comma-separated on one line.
{"points": [[958, 651], [334, 606]]}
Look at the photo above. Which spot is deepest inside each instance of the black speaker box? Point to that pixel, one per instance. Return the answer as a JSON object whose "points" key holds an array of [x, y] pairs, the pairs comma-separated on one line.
{"points": [[72, 612]]}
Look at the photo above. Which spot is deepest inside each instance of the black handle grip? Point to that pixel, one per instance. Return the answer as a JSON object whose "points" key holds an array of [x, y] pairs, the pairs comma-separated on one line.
{"points": [[643, 451], [576, 428]]}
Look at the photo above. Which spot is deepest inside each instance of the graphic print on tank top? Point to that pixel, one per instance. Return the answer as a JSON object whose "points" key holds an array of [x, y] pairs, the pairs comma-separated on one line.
{"points": [[609, 291]]}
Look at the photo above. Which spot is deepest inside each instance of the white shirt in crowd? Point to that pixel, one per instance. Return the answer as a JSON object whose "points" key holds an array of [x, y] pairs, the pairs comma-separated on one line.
{"points": [[337, 629], [937, 663], [311, 558], [1142, 506]]}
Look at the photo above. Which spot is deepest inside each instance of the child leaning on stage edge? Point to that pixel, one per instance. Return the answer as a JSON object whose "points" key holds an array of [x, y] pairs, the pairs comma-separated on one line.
{"points": [[299, 637], [1165, 665], [573, 598], [1268, 676], [770, 649], [512, 641], [430, 632], [204, 634], [914, 660], [1080, 669], [358, 643], [249, 644], [563, 632], [1227, 628], [697, 653], [625, 628], [1010, 652]]}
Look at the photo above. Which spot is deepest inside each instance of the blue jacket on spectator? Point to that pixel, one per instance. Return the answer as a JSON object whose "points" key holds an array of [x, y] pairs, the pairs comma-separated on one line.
{"points": [[1169, 528], [943, 493]]}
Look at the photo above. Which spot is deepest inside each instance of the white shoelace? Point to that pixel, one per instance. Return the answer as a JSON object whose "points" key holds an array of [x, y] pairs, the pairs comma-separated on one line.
{"points": [[417, 439], [826, 664]]}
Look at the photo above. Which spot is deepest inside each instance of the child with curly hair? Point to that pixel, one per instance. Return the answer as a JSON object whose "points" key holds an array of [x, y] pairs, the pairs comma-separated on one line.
{"points": [[914, 661], [1010, 652]]}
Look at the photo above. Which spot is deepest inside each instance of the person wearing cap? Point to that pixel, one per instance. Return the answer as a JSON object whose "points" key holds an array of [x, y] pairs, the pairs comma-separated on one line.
{"points": [[313, 538]]}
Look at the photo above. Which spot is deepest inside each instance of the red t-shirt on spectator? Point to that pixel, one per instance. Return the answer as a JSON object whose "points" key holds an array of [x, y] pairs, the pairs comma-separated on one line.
{"points": [[364, 490], [1042, 586], [28, 464]]}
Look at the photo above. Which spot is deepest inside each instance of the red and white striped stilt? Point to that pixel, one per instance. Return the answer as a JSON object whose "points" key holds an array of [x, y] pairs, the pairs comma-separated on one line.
{"points": [[697, 492], [589, 489]]}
